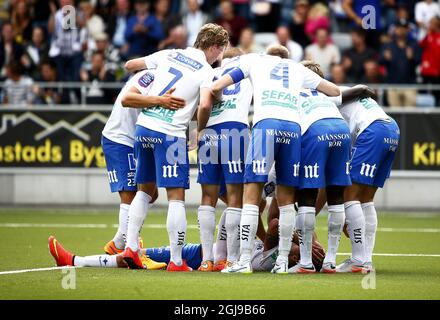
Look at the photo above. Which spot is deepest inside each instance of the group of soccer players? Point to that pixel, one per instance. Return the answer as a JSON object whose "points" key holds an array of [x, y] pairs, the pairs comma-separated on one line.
{"points": [[311, 142]]}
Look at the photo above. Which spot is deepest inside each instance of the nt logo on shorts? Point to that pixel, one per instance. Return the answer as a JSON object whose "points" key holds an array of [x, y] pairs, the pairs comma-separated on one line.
{"points": [[235, 166], [368, 170], [311, 171], [170, 171]]}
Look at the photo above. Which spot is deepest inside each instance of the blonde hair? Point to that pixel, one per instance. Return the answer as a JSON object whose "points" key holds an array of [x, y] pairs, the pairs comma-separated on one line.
{"points": [[278, 50], [315, 67], [318, 10], [232, 52], [211, 34]]}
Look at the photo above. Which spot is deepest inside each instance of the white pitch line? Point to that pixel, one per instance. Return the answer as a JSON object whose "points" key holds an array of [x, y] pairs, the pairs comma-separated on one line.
{"points": [[36, 270], [339, 254], [396, 255]]}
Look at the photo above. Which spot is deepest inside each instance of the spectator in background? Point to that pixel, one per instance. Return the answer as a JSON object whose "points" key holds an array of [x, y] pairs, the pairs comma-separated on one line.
{"points": [[317, 18], [372, 72], [177, 39], [430, 66], [10, 50], [35, 52], [402, 14], [232, 23], [67, 46], [338, 74], [267, 15], [111, 54], [298, 24], [96, 75], [295, 50], [167, 20], [48, 95], [21, 22], [117, 25], [18, 87], [247, 42], [193, 20], [41, 12], [424, 12], [357, 10], [400, 58], [354, 58], [91, 22], [143, 32], [242, 8], [323, 52]]}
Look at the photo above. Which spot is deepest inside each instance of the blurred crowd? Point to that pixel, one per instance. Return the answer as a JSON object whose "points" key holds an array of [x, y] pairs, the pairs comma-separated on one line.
{"points": [[355, 41]]}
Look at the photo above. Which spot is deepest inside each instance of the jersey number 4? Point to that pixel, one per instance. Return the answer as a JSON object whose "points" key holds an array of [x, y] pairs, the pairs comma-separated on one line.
{"points": [[281, 72], [177, 75]]}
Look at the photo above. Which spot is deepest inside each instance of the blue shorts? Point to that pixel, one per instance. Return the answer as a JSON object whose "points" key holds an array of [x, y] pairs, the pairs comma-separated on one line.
{"points": [[373, 153], [274, 140], [121, 165], [221, 153], [161, 158], [325, 154], [192, 253]]}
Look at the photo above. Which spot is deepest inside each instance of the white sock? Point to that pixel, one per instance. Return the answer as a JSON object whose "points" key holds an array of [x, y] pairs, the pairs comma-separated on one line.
{"points": [[248, 231], [233, 219], [335, 221], [136, 216], [308, 227], [356, 230], [206, 219], [220, 243], [176, 226], [370, 216], [103, 261], [285, 231], [121, 234]]}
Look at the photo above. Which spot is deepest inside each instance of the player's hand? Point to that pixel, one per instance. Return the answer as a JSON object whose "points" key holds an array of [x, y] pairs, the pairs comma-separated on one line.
{"points": [[168, 101], [369, 93]]}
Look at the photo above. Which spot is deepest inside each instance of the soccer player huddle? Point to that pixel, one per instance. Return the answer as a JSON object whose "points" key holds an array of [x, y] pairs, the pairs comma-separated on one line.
{"points": [[311, 143]]}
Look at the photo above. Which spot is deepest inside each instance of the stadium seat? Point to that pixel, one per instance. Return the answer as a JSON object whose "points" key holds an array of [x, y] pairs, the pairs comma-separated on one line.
{"points": [[425, 100]]}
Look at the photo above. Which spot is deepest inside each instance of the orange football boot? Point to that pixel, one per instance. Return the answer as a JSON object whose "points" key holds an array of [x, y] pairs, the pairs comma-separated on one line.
{"points": [[206, 266], [172, 267], [133, 259], [111, 249], [61, 255], [219, 266]]}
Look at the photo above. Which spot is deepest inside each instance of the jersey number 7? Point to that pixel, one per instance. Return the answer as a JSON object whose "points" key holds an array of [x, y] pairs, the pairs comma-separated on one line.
{"points": [[177, 75]]}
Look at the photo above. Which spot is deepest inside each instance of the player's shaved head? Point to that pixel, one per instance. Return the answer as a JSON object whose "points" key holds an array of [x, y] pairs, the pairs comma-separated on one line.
{"points": [[211, 34], [315, 67], [232, 52], [278, 51]]}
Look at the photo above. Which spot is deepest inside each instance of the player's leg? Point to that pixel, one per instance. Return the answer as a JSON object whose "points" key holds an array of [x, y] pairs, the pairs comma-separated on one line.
{"points": [[209, 174], [337, 179], [145, 178], [389, 135], [121, 170], [64, 257], [232, 155], [367, 204], [287, 158], [206, 220], [220, 246], [172, 173]]}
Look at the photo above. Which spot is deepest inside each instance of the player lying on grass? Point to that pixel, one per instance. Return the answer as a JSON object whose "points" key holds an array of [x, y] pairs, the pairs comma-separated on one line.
{"points": [[160, 138], [263, 257], [117, 144]]}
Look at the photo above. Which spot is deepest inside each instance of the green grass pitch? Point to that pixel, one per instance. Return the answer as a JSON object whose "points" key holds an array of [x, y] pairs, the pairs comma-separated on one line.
{"points": [[24, 233]]}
